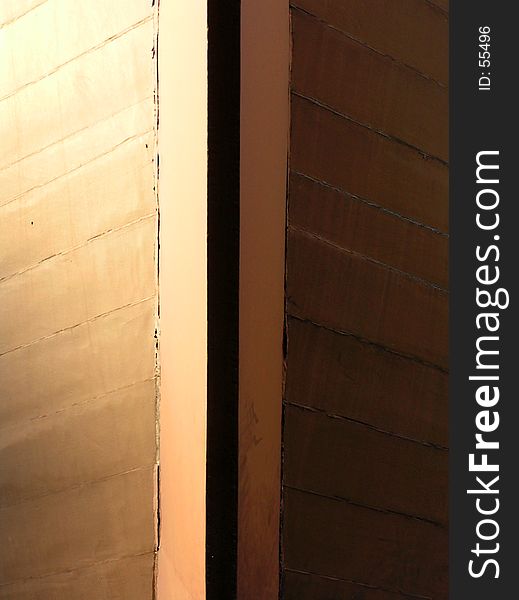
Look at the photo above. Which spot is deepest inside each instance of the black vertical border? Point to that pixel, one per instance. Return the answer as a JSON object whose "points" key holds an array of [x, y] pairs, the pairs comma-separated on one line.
{"points": [[482, 121], [223, 254]]}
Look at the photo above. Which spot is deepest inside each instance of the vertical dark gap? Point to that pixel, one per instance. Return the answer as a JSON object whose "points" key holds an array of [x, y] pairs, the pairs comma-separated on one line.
{"points": [[223, 252]]}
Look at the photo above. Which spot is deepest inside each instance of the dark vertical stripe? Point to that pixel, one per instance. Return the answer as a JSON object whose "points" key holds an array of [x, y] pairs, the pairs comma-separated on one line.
{"points": [[223, 247], [483, 121]]}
